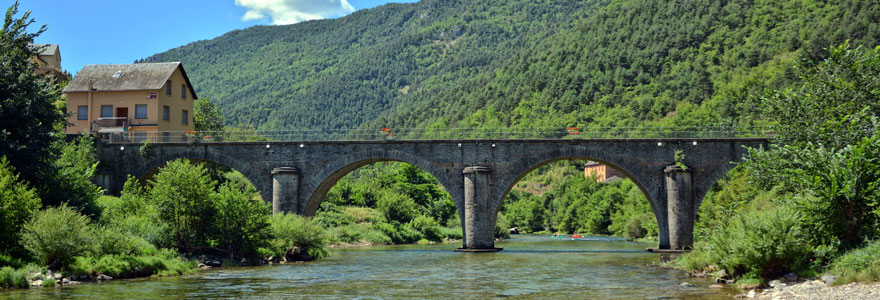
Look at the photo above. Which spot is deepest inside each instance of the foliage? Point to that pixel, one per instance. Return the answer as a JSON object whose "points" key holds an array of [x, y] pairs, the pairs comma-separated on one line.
{"points": [[57, 234], [75, 167], [291, 230], [861, 264], [162, 263], [241, 222], [186, 201], [679, 159], [18, 203], [760, 244], [114, 241], [134, 214], [145, 148], [828, 147], [207, 116], [28, 118], [13, 278]]}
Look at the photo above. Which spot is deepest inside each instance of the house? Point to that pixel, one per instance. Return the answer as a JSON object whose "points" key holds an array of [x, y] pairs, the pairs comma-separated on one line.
{"points": [[48, 60], [131, 101], [603, 173]]}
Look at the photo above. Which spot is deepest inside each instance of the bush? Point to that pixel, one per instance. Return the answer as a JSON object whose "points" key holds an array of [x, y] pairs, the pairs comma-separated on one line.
{"points": [[376, 237], [18, 203], [13, 278], [241, 222], [760, 244], [49, 282], [291, 230], [451, 233], [502, 227], [397, 207], [861, 264], [345, 234], [429, 228], [55, 235], [162, 263], [184, 194], [400, 234], [110, 240]]}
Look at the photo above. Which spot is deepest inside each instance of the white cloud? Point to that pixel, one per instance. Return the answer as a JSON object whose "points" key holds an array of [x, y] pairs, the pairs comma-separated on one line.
{"points": [[293, 11]]}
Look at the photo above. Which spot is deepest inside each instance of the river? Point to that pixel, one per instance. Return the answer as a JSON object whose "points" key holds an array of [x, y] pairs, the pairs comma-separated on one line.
{"points": [[531, 266]]}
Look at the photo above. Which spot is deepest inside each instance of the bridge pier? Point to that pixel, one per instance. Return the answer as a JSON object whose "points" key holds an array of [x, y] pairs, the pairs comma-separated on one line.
{"points": [[479, 216], [680, 208], [285, 190]]}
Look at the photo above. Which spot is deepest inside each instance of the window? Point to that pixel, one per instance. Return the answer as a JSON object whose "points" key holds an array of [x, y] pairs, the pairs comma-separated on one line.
{"points": [[106, 111], [140, 136], [164, 137], [82, 112], [168, 87], [166, 113], [184, 117], [182, 91], [140, 111]]}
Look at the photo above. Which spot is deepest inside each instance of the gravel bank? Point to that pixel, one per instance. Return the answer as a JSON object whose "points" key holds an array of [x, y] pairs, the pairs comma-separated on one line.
{"points": [[817, 289]]}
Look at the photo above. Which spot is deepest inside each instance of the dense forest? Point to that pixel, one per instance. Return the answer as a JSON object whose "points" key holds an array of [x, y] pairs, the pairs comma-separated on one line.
{"points": [[494, 64]]}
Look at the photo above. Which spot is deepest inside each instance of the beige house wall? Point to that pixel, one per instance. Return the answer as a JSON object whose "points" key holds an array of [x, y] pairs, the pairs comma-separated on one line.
{"points": [[129, 99]]}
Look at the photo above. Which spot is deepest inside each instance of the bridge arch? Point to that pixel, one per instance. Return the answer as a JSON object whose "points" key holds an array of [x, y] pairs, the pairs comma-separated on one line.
{"points": [[320, 184], [155, 161], [642, 179]]}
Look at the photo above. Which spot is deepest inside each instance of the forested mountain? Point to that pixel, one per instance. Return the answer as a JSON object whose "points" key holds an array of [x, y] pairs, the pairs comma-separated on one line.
{"points": [[471, 63]]}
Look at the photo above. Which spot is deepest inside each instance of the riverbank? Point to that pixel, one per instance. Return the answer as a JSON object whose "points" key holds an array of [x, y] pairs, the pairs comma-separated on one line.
{"points": [[818, 289]]}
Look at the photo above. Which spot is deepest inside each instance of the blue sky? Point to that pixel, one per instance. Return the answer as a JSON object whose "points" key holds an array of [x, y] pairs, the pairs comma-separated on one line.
{"points": [[120, 31]]}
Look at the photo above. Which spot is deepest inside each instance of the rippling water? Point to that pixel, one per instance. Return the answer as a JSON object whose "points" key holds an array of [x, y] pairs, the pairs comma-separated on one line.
{"points": [[530, 267]]}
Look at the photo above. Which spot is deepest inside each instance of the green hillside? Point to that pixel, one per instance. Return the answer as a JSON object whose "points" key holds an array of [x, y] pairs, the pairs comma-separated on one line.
{"points": [[493, 64], [344, 72]]}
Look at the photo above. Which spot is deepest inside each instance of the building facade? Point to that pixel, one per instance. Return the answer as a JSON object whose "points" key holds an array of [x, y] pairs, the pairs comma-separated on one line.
{"points": [[131, 101], [602, 173], [48, 60]]}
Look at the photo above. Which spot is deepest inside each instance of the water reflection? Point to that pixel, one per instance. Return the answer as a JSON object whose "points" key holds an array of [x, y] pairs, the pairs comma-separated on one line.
{"points": [[530, 267]]}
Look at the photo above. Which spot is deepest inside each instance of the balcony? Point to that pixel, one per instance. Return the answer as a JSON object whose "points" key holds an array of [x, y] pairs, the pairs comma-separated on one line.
{"points": [[118, 124]]}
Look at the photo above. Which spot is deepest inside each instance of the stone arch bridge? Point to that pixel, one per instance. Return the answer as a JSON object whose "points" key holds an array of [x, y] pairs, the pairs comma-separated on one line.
{"points": [[295, 176]]}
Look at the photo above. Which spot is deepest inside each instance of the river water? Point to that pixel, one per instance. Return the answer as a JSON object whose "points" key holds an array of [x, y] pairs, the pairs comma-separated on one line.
{"points": [[531, 266]]}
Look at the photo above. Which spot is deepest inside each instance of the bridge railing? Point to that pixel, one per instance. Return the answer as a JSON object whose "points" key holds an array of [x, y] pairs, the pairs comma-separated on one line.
{"points": [[389, 134]]}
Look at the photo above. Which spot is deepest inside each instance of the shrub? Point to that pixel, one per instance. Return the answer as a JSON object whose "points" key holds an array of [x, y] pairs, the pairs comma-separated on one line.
{"points": [[184, 194], [861, 264], [163, 262], [241, 222], [110, 240], [291, 230], [760, 244], [397, 207], [400, 234], [376, 237], [502, 227], [429, 228], [13, 278], [49, 282], [18, 203], [345, 234], [451, 233], [55, 235]]}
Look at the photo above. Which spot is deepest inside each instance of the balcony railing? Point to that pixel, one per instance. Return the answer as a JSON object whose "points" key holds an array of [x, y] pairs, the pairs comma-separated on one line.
{"points": [[112, 122]]}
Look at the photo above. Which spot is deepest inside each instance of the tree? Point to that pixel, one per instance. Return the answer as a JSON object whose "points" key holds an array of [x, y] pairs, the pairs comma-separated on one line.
{"points": [[28, 118], [828, 148], [186, 200], [207, 116], [18, 203]]}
